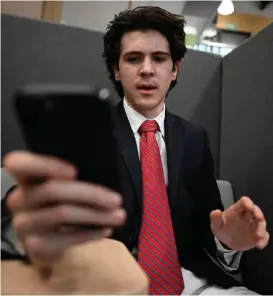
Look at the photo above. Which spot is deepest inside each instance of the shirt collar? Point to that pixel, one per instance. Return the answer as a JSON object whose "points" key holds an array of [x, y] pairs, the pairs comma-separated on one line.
{"points": [[136, 119]]}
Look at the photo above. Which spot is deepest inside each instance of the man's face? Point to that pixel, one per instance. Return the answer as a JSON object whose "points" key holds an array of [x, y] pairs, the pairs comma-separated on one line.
{"points": [[145, 70]]}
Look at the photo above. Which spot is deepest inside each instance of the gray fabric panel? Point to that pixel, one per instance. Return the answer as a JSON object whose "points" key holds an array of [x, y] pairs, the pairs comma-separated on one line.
{"points": [[246, 158], [197, 95], [35, 51], [40, 52]]}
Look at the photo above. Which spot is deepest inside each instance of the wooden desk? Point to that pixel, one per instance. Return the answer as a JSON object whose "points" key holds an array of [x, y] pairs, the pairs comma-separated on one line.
{"points": [[101, 267]]}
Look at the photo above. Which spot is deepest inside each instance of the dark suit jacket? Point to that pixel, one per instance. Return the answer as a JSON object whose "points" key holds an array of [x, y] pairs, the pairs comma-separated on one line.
{"points": [[192, 190]]}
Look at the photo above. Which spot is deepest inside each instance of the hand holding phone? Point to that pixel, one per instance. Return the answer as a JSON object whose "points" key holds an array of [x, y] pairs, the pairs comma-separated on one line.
{"points": [[69, 192]]}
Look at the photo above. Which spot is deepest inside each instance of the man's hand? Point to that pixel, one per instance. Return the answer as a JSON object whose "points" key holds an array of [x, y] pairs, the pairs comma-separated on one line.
{"points": [[48, 197], [241, 227]]}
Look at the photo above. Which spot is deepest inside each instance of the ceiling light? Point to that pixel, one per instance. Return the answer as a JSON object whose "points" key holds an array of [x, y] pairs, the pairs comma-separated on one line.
{"points": [[190, 30], [226, 7], [210, 32]]}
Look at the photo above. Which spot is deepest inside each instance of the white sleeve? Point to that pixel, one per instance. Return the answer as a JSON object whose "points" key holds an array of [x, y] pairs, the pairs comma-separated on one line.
{"points": [[229, 259]]}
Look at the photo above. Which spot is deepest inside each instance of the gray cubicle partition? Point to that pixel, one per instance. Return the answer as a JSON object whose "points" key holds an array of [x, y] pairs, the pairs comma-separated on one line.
{"points": [[246, 157], [36, 52], [197, 95], [40, 52]]}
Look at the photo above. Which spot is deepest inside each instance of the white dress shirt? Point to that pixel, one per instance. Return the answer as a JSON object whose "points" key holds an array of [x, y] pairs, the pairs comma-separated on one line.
{"points": [[192, 283]]}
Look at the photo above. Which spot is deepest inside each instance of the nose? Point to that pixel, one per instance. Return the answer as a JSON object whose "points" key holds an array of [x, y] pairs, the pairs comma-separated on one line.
{"points": [[147, 68]]}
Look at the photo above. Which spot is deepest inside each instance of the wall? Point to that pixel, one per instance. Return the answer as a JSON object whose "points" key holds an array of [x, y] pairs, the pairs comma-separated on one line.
{"points": [[197, 95], [31, 9], [93, 15], [251, 7], [246, 158], [243, 22], [41, 10]]}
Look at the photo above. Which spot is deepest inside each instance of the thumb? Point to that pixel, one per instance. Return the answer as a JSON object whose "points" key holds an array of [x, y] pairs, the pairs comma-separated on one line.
{"points": [[216, 219]]}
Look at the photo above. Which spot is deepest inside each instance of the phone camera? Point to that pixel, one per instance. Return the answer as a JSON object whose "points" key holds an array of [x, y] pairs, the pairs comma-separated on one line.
{"points": [[104, 93]]}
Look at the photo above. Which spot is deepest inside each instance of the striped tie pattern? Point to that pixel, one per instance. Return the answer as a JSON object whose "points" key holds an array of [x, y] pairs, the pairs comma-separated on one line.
{"points": [[157, 253]]}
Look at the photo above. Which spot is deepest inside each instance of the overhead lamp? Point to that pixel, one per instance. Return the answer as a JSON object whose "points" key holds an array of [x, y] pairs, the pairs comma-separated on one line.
{"points": [[191, 30], [226, 7], [209, 32]]}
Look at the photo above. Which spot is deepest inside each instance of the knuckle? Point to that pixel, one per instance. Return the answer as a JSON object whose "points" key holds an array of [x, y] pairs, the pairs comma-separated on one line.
{"points": [[96, 191], [12, 199], [63, 212], [9, 159], [35, 244], [118, 217], [247, 201], [99, 189], [259, 235], [250, 204], [257, 208], [49, 190], [41, 249], [19, 222]]}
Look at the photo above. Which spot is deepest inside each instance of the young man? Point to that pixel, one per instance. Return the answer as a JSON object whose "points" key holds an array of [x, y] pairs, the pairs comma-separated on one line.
{"points": [[170, 215]]}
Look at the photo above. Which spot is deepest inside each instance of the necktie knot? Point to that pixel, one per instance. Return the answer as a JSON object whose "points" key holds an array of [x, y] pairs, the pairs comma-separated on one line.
{"points": [[148, 126]]}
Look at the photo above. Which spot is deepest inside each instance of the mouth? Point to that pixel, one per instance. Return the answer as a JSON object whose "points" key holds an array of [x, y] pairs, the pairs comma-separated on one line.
{"points": [[146, 88]]}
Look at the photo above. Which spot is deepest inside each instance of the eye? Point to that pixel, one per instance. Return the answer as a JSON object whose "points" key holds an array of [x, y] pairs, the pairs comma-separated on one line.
{"points": [[159, 59], [133, 59]]}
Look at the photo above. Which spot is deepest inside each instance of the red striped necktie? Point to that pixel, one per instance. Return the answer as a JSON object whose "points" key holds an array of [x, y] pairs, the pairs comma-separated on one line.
{"points": [[157, 253]]}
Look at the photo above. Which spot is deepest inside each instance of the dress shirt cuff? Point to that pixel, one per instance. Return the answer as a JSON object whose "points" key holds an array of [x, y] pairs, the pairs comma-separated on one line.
{"points": [[12, 248], [230, 259]]}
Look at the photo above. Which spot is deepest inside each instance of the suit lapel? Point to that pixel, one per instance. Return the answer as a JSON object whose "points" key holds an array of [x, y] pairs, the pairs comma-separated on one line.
{"points": [[174, 135], [127, 145]]}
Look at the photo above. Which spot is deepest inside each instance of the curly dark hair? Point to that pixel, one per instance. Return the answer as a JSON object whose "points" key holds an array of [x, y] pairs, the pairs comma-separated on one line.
{"points": [[143, 18]]}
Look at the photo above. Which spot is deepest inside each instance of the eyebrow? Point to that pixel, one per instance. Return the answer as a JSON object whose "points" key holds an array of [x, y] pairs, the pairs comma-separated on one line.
{"points": [[134, 52]]}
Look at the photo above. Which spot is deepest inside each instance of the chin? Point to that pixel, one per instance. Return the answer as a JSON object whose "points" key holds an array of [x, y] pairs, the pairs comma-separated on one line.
{"points": [[147, 103], [142, 102]]}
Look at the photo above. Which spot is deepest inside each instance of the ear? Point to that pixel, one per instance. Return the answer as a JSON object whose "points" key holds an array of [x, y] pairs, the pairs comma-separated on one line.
{"points": [[116, 72], [175, 70]]}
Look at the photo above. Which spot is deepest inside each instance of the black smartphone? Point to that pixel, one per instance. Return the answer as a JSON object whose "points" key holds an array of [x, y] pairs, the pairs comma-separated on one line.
{"points": [[73, 123]]}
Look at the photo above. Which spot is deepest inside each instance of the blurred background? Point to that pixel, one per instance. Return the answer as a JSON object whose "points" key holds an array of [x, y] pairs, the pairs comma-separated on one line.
{"points": [[212, 26]]}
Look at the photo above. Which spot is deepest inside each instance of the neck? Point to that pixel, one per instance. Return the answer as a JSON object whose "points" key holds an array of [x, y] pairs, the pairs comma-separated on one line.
{"points": [[149, 113]]}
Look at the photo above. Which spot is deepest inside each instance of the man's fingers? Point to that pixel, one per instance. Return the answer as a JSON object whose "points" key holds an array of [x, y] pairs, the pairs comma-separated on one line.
{"points": [[248, 210], [216, 219], [16, 199], [260, 230], [248, 216], [27, 167], [258, 214], [262, 243], [49, 219], [244, 205], [63, 191], [45, 249]]}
